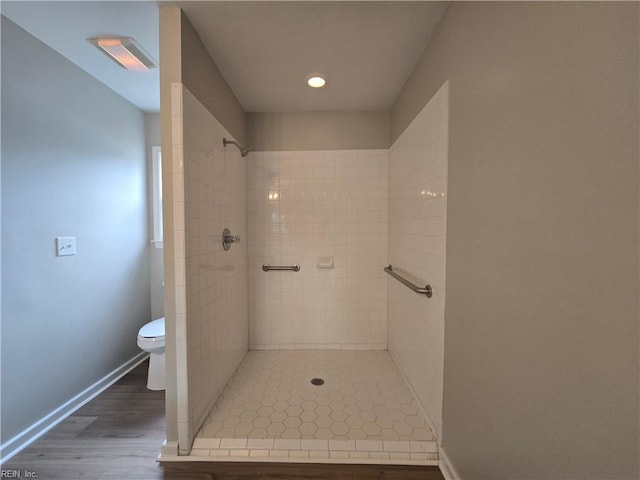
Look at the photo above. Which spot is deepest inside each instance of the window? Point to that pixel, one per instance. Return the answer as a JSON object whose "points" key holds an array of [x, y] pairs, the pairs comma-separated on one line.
{"points": [[156, 155]]}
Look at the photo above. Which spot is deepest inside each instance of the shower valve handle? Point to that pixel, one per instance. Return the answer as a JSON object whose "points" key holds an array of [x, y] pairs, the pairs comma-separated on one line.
{"points": [[228, 239]]}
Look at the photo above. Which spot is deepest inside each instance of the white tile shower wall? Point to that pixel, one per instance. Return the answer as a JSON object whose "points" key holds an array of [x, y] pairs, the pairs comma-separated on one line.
{"points": [[417, 223], [212, 313], [305, 205]]}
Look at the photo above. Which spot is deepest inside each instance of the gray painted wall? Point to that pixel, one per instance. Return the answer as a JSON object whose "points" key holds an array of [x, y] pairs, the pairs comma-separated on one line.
{"points": [[541, 319], [201, 76], [291, 131], [170, 72], [73, 164]]}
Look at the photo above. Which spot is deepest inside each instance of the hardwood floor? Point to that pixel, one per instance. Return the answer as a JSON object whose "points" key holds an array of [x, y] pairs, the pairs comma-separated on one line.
{"points": [[121, 431], [118, 435]]}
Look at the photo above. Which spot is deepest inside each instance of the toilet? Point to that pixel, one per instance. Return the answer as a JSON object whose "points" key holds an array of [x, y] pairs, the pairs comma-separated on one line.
{"points": [[151, 339]]}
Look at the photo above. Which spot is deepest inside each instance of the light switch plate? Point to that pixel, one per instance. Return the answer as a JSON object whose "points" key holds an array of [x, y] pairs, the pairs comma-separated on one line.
{"points": [[65, 246]]}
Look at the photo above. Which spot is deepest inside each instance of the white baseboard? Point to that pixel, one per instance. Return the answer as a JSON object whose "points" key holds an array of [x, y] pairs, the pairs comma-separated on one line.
{"points": [[30, 434], [447, 469]]}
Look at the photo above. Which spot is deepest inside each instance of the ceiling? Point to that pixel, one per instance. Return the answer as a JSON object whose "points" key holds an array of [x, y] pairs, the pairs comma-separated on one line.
{"points": [[264, 49], [65, 26]]}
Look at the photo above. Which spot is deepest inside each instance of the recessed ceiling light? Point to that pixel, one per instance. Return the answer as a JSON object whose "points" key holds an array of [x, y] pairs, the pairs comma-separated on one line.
{"points": [[126, 52], [316, 81]]}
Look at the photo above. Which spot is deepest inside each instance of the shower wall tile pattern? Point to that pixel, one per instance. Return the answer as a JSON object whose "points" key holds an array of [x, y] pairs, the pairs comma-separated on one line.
{"points": [[211, 311], [306, 205], [364, 410], [417, 219]]}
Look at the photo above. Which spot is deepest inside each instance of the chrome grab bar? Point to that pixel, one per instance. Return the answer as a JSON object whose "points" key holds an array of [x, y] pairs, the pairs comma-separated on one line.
{"points": [[266, 267], [427, 290]]}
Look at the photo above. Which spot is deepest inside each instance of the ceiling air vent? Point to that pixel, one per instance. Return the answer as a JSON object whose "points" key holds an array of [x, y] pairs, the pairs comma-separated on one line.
{"points": [[126, 52]]}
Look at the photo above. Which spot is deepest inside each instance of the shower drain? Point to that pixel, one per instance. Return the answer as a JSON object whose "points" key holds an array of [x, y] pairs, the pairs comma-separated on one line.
{"points": [[317, 381]]}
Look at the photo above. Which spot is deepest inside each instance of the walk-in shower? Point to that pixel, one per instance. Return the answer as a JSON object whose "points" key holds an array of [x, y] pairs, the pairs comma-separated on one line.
{"points": [[305, 296]]}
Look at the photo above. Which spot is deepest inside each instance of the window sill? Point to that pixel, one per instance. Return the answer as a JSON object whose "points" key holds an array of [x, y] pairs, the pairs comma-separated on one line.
{"points": [[157, 243]]}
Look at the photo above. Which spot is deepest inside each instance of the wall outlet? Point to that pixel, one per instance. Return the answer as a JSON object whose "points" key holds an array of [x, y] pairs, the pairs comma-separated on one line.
{"points": [[65, 246]]}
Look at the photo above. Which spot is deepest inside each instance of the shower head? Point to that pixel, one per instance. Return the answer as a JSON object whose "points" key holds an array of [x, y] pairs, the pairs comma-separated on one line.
{"points": [[243, 151]]}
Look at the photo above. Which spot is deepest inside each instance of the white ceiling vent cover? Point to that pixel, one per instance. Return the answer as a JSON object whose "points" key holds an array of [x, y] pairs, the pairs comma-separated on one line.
{"points": [[126, 52]]}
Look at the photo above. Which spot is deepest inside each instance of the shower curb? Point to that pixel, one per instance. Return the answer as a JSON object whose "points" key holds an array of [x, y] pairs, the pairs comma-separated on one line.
{"points": [[283, 459]]}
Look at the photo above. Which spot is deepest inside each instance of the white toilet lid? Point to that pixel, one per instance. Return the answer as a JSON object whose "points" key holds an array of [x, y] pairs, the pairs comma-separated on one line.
{"points": [[153, 329]]}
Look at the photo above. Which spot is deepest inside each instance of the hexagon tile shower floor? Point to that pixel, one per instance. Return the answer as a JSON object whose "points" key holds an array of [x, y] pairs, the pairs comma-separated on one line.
{"points": [[363, 412]]}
